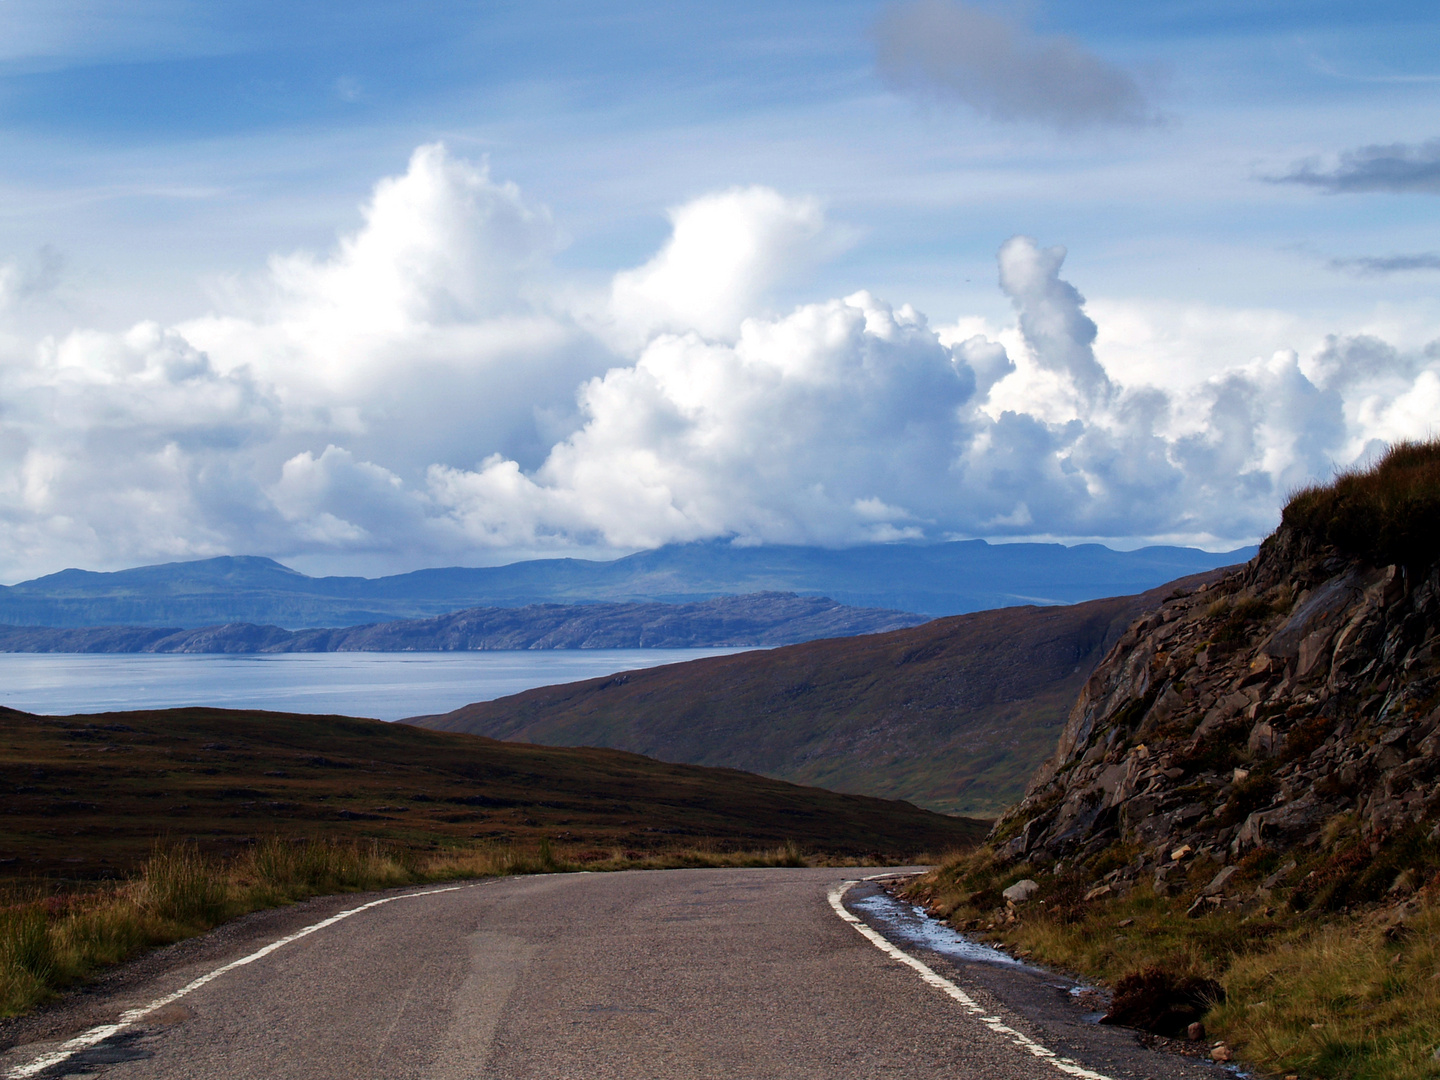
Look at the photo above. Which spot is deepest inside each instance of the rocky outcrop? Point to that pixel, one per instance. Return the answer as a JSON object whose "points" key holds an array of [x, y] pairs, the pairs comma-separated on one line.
{"points": [[1243, 719]]}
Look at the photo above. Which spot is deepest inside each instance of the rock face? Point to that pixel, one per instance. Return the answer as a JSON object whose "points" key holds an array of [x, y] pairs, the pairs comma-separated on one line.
{"points": [[1241, 718]]}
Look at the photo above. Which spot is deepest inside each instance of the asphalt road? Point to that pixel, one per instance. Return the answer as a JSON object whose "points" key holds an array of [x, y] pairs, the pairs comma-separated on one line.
{"points": [[669, 974]]}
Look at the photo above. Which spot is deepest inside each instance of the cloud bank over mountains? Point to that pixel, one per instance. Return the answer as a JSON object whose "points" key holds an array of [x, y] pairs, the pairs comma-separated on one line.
{"points": [[435, 390]]}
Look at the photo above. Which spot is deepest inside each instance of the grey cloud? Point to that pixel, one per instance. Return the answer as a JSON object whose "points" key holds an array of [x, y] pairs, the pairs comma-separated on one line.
{"points": [[1377, 266], [1397, 168], [1343, 362], [952, 50]]}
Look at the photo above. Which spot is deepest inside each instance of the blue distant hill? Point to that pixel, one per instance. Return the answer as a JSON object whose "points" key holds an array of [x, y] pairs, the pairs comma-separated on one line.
{"points": [[937, 579]]}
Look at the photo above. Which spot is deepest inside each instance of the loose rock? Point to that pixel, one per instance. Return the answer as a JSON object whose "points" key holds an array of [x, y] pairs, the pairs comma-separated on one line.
{"points": [[1021, 891]]}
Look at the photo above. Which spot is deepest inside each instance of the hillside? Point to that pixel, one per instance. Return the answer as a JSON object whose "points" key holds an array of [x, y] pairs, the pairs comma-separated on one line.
{"points": [[935, 579], [760, 620], [90, 795], [1243, 717], [953, 715], [1261, 755]]}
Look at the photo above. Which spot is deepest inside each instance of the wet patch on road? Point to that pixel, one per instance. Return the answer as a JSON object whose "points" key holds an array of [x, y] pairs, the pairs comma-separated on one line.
{"points": [[908, 924]]}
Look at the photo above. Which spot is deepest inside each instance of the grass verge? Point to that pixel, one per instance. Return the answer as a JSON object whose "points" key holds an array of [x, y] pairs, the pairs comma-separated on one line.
{"points": [[1339, 995], [53, 939]]}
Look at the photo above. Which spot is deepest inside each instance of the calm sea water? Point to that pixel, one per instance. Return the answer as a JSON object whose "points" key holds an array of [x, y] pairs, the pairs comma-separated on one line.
{"points": [[388, 686]]}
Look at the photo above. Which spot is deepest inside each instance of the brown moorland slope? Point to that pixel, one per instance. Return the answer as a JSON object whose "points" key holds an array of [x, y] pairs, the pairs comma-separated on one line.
{"points": [[88, 796], [953, 715]]}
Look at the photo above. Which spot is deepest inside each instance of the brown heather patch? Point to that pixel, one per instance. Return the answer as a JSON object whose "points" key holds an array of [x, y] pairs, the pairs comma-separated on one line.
{"points": [[1388, 513], [86, 797], [953, 715]]}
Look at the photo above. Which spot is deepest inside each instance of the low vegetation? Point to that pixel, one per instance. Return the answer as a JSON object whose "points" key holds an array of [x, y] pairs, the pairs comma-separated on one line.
{"points": [[50, 938], [1386, 513], [86, 796], [1337, 993]]}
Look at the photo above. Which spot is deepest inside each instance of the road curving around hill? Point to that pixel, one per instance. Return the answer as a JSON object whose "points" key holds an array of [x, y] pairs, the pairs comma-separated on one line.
{"points": [[666, 974]]}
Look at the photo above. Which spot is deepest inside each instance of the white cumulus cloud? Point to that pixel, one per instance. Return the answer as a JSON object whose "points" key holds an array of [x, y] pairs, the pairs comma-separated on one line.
{"points": [[430, 391], [724, 253]]}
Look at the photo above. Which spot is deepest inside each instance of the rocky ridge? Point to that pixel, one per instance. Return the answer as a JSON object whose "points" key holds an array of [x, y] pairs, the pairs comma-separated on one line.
{"points": [[1276, 730]]}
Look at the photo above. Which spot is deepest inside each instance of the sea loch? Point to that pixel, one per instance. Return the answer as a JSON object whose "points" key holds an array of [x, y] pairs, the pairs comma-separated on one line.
{"points": [[385, 686]]}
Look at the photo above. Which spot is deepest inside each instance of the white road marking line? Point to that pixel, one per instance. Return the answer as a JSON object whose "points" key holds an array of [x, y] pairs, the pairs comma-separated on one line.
{"points": [[931, 978], [95, 1035]]}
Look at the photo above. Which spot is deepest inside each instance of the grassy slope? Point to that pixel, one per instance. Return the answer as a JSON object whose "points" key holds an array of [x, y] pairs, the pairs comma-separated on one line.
{"points": [[87, 795], [953, 715]]}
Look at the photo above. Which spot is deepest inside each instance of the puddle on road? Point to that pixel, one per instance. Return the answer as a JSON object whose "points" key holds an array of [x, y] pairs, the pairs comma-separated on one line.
{"points": [[910, 924]]}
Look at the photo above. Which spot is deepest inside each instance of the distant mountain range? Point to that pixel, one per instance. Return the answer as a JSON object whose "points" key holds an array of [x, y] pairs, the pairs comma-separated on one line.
{"points": [[760, 619], [935, 579], [954, 715]]}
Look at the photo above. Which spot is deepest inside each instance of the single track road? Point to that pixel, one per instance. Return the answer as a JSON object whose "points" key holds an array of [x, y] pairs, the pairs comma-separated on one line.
{"points": [[666, 974]]}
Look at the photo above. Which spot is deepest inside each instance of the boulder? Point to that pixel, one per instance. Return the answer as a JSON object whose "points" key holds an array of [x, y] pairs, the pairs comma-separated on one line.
{"points": [[1262, 739], [1219, 882], [1021, 891]]}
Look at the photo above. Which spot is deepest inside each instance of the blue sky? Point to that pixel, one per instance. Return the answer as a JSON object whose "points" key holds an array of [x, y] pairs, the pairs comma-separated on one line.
{"points": [[161, 156]]}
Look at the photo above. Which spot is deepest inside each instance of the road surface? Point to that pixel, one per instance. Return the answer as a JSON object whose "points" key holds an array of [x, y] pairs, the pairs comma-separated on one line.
{"points": [[666, 974]]}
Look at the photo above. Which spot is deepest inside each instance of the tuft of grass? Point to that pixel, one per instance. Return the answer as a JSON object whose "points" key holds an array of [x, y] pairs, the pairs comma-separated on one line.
{"points": [[50, 940], [290, 870], [1386, 514], [27, 952], [179, 885]]}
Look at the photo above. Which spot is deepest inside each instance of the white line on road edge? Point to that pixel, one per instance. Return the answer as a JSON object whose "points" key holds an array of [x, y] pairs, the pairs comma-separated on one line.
{"points": [[994, 1023], [87, 1039]]}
